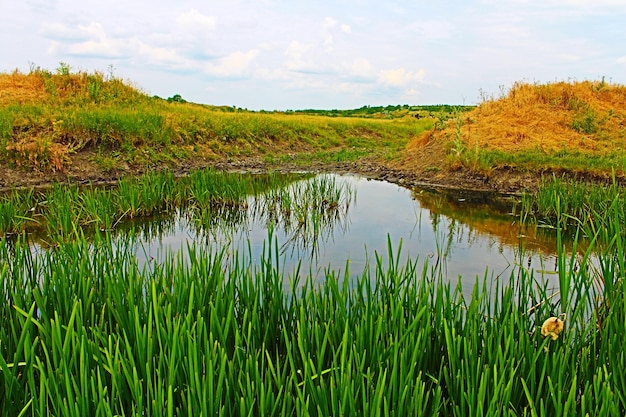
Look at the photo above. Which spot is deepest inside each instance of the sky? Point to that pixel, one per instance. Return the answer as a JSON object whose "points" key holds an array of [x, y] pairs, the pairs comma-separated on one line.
{"points": [[341, 54]]}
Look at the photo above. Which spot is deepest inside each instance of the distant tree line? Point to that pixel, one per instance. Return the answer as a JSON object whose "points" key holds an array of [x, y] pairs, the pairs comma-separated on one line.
{"points": [[390, 111], [385, 110]]}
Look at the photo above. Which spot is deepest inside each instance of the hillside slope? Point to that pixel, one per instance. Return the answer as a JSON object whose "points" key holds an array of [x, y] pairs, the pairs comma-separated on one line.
{"points": [[90, 127], [574, 128], [82, 126]]}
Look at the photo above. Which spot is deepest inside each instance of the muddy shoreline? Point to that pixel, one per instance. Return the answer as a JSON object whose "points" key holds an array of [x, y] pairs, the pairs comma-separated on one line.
{"points": [[505, 181]]}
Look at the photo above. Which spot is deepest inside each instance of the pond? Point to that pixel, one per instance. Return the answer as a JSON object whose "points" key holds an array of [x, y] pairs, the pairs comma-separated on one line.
{"points": [[463, 235]]}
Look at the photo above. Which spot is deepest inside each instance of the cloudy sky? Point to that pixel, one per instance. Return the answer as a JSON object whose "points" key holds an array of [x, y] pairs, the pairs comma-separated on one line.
{"points": [[295, 54]]}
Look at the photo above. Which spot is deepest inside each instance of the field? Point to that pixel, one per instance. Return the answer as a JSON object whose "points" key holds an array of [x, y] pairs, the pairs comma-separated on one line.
{"points": [[85, 330], [92, 126]]}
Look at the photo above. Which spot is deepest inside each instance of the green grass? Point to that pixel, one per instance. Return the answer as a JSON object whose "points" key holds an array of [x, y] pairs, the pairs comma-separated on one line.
{"points": [[87, 331], [84, 330], [536, 159], [81, 112], [593, 209], [64, 209]]}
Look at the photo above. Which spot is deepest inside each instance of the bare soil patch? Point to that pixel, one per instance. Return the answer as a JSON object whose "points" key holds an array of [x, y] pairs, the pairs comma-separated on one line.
{"points": [[84, 170]]}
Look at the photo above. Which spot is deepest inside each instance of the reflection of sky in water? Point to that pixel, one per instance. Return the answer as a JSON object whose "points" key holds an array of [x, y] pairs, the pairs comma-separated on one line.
{"points": [[380, 210]]}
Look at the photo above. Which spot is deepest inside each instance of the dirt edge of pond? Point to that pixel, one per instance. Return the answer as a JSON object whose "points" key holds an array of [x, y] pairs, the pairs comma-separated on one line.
{"points": [[504, 180]]}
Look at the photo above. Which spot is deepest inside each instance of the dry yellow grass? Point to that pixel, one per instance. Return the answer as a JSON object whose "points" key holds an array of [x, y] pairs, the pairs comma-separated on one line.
{"points": [[581, 116], [21, 88], [42, 86], [546, 117]]}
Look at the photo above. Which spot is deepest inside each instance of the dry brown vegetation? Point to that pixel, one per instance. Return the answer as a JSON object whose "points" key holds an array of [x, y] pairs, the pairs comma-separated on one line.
{"points": [[41, 86], [588, 116], [560, 125]]}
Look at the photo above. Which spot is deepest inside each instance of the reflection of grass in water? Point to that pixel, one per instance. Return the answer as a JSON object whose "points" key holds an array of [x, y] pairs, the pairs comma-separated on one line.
{"points": [[202, 333], [306, 212], [489, 215], [213, 203], [65, 211]]}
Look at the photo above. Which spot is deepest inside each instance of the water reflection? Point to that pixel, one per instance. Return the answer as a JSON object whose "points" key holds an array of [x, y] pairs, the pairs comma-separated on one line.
{"points": [[457, 236], [479, 230]]}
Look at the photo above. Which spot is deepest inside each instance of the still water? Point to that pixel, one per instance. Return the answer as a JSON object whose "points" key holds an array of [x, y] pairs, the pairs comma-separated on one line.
{"points": [[462, 236]]}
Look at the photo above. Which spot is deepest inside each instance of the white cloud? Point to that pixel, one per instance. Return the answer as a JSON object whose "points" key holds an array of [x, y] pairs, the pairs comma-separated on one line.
{"points": [[362, 68], [296, 52], [599, 5], [329, 27], [86, 40], [400, 77], [103, 48], [411, 92], [329, 40], [569, 57], [233, 65], [60, 31], [329, 23], [92, 40], [430, 30], [195, 20], [156, 55], [273, 74]]}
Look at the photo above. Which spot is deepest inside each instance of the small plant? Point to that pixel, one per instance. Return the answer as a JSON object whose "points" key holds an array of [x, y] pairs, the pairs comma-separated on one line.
{"points": [[442, 118], [64, 69], [457, 144], [585, 122], [107, 162], [95, 87]]}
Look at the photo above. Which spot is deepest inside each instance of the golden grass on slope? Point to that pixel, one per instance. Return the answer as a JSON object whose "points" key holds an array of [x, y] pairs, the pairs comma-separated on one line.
{"points": [[41, 86], [586, 116], [20, 88], [583, 116]]}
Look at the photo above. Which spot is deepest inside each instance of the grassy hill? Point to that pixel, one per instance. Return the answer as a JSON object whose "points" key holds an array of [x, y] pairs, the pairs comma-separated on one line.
{"points": [[49, 120], [577, 128], [89, 125]]}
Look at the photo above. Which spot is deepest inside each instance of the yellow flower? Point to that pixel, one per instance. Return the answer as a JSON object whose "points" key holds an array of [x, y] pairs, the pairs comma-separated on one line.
{"points": [[552, 327]]}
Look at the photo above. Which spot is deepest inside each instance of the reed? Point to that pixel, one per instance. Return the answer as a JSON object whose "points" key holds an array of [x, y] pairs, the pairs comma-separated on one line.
{"points": [[86, 331], [576, 206], [16, 211], [60, 211]]}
